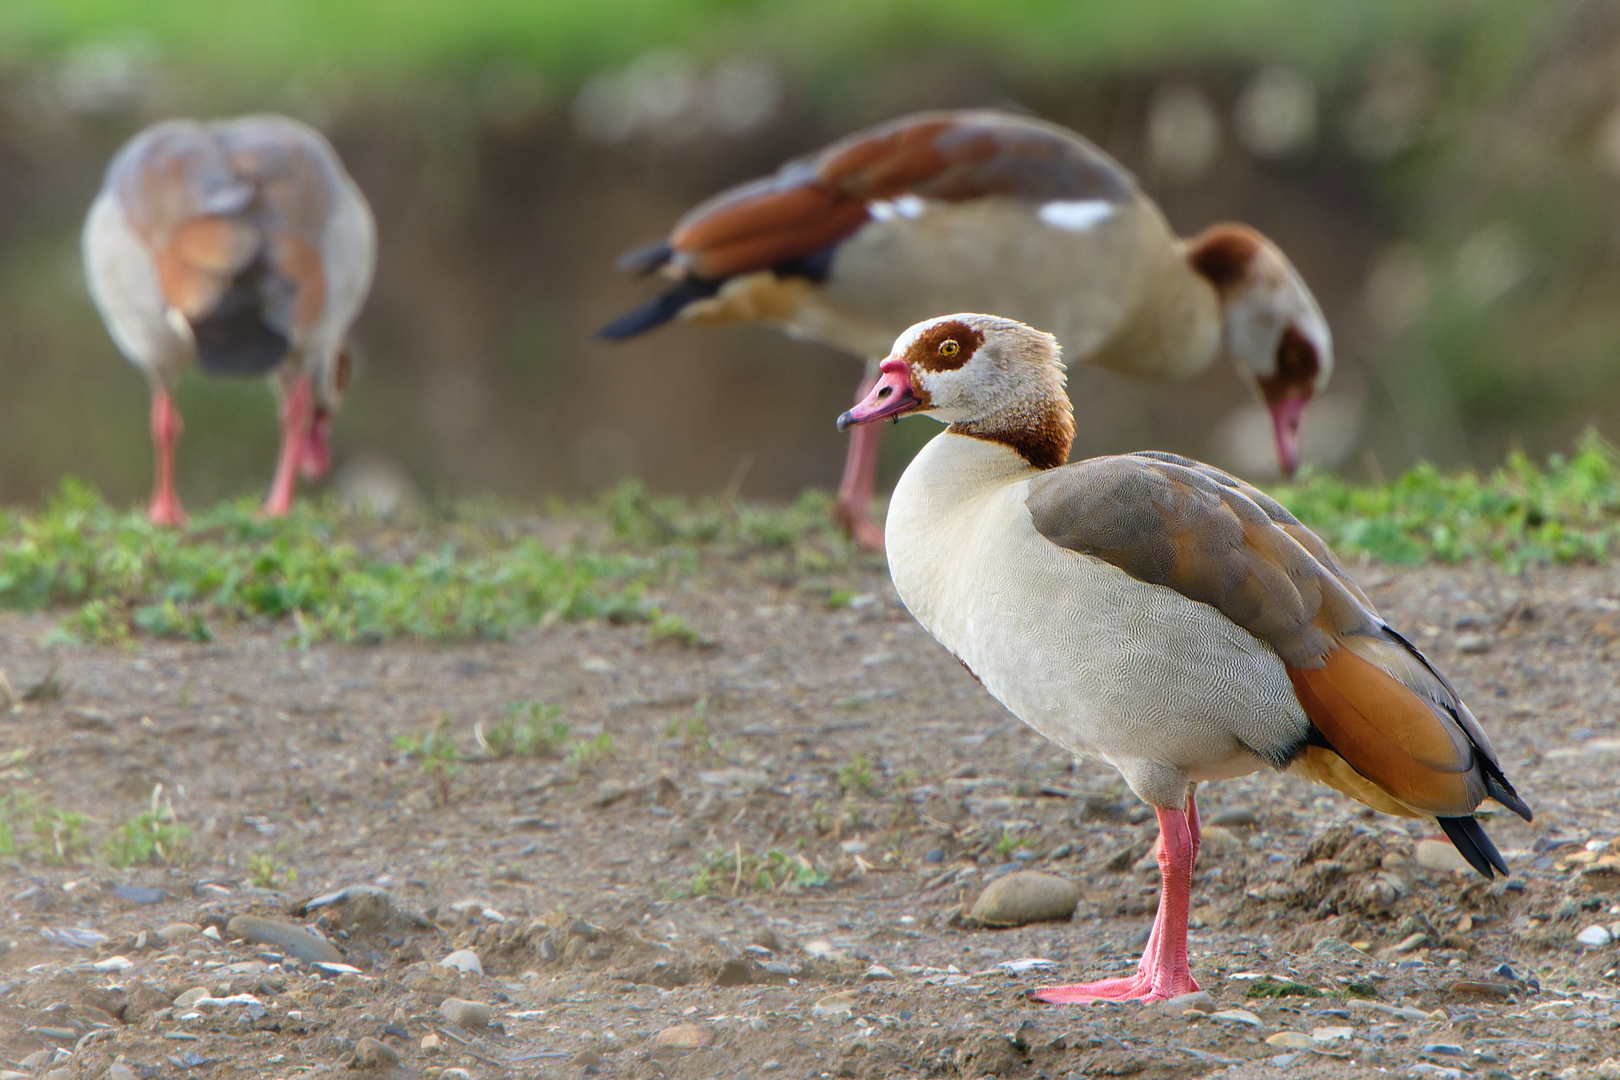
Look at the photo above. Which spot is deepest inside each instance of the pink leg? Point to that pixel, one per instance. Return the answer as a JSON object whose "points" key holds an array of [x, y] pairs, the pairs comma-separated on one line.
{"points": [[854, 506], [297, 414], [165, 508], [1163, 972]]}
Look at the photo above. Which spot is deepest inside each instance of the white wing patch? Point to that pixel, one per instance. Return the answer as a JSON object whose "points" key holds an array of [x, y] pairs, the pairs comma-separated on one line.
{"points": [[905, 206], [1076, 215]]}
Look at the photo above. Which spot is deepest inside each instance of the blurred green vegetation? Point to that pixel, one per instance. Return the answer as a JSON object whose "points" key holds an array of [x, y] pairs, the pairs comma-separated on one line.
{"points": [[571, 38], [1521, 513]]}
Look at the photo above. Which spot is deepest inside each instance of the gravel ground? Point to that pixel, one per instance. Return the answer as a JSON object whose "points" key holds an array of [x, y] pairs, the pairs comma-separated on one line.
{"points": [[871, 790]]}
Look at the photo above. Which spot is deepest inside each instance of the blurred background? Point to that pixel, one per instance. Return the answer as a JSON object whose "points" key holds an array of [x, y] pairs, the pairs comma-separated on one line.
{"points": [[1445, 174]]}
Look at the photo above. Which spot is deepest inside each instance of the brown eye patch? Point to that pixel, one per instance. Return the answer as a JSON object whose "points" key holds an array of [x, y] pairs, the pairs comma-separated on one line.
{"points": [[1297, 366], [945, 346]]}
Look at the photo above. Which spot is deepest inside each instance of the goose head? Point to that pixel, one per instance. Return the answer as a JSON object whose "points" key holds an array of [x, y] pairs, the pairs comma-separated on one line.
{"points": [[985, 376], [1272, 328]]}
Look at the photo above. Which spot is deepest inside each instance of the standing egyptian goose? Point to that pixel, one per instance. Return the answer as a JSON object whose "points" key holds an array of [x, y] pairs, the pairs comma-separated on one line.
{"points": [[242, 246], [988, 211], [1156, 613]]}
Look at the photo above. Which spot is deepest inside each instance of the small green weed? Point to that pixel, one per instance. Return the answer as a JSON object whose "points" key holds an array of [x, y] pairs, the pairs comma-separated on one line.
{"points": [[590, 751], [1361, 988], [774, 871], [1011, 842], [59, 835], [666, 627], [1273, 988], [154, 835], [856, 777], [437, 756], [529, 729], [268, 872]]}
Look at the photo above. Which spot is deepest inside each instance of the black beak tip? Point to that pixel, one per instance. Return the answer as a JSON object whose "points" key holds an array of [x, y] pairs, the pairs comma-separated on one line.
{"points": [[846, 421]]}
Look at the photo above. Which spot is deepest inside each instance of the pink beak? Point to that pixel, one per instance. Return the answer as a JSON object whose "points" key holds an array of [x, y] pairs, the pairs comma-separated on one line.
{"points": [[1286, 413], [891, 395]]}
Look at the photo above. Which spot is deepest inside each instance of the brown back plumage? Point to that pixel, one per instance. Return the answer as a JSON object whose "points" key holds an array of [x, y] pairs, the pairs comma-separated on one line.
{"points": [[1388, 729]]}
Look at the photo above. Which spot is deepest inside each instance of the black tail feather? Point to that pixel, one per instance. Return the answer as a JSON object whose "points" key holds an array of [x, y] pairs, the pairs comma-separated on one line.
{"points": [[1498, 788], [235, 337], [1472, 844], [658, 310], [644, 260]]}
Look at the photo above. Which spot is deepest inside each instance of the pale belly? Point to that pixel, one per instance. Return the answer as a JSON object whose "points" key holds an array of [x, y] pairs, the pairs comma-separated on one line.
{"points": [[1165, 689]]}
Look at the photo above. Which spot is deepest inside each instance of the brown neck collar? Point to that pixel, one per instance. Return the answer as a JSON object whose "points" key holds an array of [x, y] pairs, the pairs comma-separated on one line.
{"points": [[1042, 439]]}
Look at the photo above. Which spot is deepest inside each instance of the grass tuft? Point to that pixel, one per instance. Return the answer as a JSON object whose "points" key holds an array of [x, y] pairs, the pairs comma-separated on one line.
{"points": [[1272, 988], [1521, 514]]}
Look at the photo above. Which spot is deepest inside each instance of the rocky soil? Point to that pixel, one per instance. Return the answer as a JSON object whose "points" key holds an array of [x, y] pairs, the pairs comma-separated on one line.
{"points": [[756, 857]]}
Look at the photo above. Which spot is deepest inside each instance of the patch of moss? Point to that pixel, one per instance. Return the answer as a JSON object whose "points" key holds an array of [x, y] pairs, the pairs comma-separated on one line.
{"points": [[1272, 988]]}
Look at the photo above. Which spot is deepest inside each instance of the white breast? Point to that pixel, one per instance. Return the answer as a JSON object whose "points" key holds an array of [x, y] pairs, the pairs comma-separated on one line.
{"points": [[1166, 689]]}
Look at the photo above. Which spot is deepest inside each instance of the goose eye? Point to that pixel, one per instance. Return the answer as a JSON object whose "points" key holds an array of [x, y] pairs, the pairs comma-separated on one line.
{"points": [[949, 348]]}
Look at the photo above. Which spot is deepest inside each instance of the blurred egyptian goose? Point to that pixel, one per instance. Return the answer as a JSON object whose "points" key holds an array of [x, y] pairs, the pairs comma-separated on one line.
{"points": [[988, 211], [1156, 613], [242, 246]]}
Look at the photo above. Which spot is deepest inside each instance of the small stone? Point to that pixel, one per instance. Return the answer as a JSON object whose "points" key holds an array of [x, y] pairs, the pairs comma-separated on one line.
{"points": [[838, 1006], [1236, 1016], [1433, 854], [191, 997], [119, 1071], [1025, 896], [455, 1074], [375, 1054], [463, 960], [1324, 1035], [1290, 1040], [934, 855], [1198, 1001], [587, 1059], [289, 937], [1594, 936], [1400, 1012], [138, 894], [432, 1044], [1473, 643], [1609, 1069], [1408, 943], [1235, 818], [877, 973], [211, 933], [177, 932], [682, 1037], [1477, 989], [1442, 1048], [609, 792], [473, 1014]]}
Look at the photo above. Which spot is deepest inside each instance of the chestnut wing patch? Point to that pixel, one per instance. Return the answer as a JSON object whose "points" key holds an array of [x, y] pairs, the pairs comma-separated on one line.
{"points": [[816, 202]]}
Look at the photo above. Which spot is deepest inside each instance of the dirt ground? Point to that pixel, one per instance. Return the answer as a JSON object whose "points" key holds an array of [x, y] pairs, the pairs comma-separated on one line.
{"points": [[871, 789]]}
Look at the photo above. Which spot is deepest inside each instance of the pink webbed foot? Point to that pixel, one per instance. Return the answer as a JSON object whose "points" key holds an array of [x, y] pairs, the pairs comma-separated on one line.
{"points": [[1136, 987], [165, 509]]}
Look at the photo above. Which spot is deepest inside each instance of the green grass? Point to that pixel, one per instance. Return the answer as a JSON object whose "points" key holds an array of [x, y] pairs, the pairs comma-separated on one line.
{"points": [[736, 870], [1272, 988], [329, 575], [528, 729], [1522, 513], [397, 39]]}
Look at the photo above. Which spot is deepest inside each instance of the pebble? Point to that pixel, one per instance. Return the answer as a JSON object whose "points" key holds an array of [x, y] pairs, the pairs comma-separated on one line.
{"points": [[1236, 1016], [1609, 1069], [432, 1044], [682, 1037], [1324, 1035], [455, 1074], [835, 1006], [12, 1074], [1595, 936], [1408, 943], [473, 1014], [191, 997], [1401, 1012], [178, 931], [139, 894], [1473, 643], [1234, 818], [1199, 1001], [877, 973], [1443, 1048], [113, 963], [1025, 896], [463, 960], [1290, 1040], [1477, 989], [119, 1071], [1437, 1072], [934, 855], [374, 1053], [289, 937], [1435, 854]]}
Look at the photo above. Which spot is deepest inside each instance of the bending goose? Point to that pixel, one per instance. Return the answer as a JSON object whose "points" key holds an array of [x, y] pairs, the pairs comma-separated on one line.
{"points": [[1156, 613], [242, 246], [988, 211]]}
